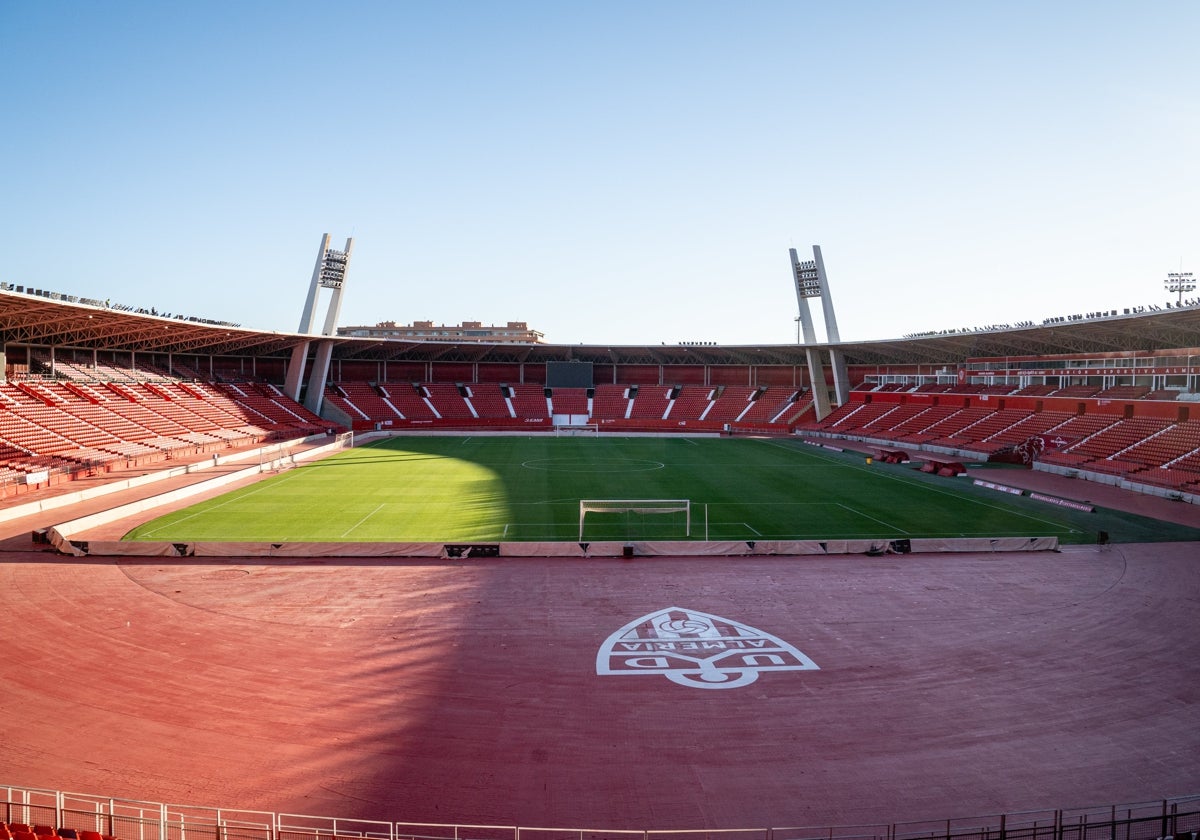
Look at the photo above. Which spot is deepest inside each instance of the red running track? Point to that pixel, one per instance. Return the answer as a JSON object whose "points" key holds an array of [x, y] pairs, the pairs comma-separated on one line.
{"points": [[466, 691]]}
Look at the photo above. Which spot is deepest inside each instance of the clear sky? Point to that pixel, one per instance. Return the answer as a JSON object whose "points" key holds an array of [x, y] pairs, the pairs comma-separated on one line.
{"points": [[615, 172]]}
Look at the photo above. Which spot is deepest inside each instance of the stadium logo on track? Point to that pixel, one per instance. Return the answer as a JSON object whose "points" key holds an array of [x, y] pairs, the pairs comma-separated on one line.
{"points": [[697, 650]]}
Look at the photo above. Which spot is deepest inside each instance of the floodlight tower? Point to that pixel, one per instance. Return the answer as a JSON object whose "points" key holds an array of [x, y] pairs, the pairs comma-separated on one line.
{"points": [[1180, 281], [329, 272], [811, 282]]}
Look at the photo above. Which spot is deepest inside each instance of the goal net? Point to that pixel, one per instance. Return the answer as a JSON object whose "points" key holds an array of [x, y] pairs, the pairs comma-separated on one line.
{"points": [[572, 429], [661, 519]]}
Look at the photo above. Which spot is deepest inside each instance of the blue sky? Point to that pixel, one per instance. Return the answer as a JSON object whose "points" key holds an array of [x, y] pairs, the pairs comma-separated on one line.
{"points": [[611, 172]]}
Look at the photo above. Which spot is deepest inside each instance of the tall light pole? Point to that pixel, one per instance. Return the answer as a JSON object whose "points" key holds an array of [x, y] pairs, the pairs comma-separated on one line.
{"points": [[1180, 281]]}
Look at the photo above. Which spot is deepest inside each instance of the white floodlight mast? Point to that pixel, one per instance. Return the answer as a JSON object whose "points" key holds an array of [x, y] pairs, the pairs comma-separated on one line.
{"points": [[329, 272], [810, 280]]}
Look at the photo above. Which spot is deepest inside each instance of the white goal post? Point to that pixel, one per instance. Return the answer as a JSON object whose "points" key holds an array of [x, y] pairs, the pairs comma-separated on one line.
{"points": [[638, 506], [572, 429]]}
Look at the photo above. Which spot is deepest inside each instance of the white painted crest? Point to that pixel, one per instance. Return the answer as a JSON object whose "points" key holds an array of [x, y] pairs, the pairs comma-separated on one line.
{"points": [[697, 650]]}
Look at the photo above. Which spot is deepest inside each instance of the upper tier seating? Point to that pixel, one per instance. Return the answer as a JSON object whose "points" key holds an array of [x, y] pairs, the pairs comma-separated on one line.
{"points": [[1035, 391], [1124, 392], [1076, 391]]}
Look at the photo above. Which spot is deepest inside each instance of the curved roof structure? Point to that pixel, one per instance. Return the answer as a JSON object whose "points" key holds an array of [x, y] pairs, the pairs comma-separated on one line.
{"points": [[55, 320]]}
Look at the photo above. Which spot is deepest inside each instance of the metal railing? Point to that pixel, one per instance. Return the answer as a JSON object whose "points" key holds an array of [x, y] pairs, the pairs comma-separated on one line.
{"points": [[1177, 818]]}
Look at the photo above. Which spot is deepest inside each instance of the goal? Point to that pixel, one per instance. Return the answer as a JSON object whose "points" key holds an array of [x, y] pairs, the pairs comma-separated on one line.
{"points": [[573, 429], [633, 512]]}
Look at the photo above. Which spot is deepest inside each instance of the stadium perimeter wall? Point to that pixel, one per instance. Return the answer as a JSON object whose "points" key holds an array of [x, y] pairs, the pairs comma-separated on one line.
{"points": [[62, 541]]}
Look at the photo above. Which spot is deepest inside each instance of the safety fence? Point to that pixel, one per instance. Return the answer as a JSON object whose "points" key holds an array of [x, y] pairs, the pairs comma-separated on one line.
{"points": [[74, 815]]}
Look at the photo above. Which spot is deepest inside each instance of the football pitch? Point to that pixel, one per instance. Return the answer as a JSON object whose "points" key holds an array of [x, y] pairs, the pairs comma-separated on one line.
{"points": [[518, 489]]}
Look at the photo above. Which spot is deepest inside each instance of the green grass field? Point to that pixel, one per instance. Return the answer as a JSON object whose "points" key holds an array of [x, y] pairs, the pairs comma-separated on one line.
{"points": [[493, 489]]}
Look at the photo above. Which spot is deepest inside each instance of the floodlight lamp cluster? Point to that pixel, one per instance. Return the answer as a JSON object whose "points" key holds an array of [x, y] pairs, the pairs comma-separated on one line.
{"points": [[808, 282], [1180, 282], [332, 271]]}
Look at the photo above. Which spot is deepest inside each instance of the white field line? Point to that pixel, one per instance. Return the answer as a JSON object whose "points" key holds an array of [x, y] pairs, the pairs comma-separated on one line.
{"points": [[364, 519]]}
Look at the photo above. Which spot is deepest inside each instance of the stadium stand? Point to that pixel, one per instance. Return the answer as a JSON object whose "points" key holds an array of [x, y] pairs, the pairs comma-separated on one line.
{"points": [[67, 426], [914, 429], [730, 403], [448, 400], [488, 401], [85, 407], [777, 405], [691, 402], [991, 424], [1037, 423], [954, 430], [572, 401], [650, 402], [529, 401], [409, 399], [1103, 449], [610, 402], [77, 418]]}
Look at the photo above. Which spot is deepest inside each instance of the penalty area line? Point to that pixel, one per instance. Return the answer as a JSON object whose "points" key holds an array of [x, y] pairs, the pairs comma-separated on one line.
{"points": [[364, 519], [857, 512]]}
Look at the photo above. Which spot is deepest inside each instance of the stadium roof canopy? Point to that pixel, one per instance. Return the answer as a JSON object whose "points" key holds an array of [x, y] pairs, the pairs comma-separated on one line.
{"points": [[43, 320]]}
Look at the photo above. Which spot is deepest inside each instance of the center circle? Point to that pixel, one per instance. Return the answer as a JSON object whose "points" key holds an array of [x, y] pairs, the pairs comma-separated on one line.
{"points": [[580, 466]]}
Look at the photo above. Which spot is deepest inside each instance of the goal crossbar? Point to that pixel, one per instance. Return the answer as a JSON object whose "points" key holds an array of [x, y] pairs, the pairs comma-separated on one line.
{"points": [[639, 506]]}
